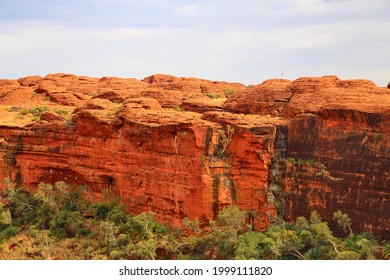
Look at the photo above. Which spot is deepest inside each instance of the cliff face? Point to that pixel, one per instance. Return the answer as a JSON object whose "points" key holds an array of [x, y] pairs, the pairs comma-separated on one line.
{"points": [[338, 147], [312, 144], [162, 160], [342, 167]]}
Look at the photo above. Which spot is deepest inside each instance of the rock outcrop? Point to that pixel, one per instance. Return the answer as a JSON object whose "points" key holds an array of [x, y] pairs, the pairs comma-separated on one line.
{"points": [[185, 147], [338, 146]]}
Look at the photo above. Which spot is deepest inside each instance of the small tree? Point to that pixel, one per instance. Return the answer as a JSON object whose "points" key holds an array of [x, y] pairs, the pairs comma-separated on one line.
{"points": [[343, 221], [47, 197], [146, 249], [45, 243], [231, 216], [192, 226], [10, 186], [247, 247], [6, 217], [224, 139], [106, 233]]}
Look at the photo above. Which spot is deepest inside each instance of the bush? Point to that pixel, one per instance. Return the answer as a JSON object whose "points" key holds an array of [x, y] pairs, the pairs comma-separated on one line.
{"points": [[107, 233], [116, 255], [35, 112], [178, 109], [39, 110], [66, 224], [228, 92], [102, 211], [24, 112], [212, 96], [9, 232], [347, 255], [247, 246], [231, 216], [84, 232], [62, 112]]}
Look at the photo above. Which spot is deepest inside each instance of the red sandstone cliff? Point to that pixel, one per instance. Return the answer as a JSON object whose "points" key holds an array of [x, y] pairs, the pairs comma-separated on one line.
{"points": [[338, 146], [166, 144]]}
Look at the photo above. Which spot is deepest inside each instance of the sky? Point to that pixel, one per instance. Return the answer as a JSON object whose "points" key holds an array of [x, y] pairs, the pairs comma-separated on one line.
{"points": [[246, 41]]}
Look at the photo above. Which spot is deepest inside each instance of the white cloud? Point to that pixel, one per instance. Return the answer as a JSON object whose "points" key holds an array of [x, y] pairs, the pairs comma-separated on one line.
{"points": [[186, 9], [120, 34], [302, 38]]}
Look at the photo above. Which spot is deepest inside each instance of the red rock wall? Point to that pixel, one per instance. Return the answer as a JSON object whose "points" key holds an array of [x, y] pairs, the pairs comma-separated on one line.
{"points": [[337, 147], [351, 169], [163, 162]]}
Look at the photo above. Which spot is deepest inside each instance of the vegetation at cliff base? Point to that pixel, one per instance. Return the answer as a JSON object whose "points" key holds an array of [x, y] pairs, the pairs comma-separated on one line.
{"points": [[57, 221]]}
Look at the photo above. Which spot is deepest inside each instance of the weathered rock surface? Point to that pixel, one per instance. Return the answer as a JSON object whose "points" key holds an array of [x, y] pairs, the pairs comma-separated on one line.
{"points": [[178, 147], [338, 146]]}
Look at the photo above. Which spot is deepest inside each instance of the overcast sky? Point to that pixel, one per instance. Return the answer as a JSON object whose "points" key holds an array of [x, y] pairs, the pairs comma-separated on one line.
{"points": [[247, 41]]}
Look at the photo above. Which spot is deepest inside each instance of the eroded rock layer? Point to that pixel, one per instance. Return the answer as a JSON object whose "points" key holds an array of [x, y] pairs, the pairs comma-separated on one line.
{"points": [[182, 147]]}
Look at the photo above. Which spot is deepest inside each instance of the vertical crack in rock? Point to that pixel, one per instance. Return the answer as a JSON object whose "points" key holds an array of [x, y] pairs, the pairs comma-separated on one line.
{"points": [[216, 182], [277, 173]]}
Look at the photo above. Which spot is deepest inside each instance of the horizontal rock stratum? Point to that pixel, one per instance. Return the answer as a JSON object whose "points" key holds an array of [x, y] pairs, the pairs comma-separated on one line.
{"points": [[186, 147]]}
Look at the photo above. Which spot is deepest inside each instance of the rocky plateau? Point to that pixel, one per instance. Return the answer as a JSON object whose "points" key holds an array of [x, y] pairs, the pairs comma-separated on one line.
{"points": [[186, 147]]}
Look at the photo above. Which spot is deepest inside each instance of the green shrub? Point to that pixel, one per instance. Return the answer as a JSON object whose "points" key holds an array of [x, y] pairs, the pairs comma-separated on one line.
{"points": [[66, 224], [24, 112], [116, 255], [9, 232], [39, 110], [310, 162], [212, 96], [178, 109], [301, 162], [348, 255], [62, 112], [84, 232], [291, 159], [14, 109], [122, 240], [36, 112], [228, 92], [102, 211]]}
